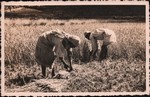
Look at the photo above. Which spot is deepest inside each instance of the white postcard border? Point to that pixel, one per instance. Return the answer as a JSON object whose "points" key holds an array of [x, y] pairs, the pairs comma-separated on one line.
{"points": [[35, 3]]}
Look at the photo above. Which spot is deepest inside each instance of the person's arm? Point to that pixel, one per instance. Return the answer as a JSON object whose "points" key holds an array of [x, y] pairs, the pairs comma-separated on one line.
{"points": [[64, 63], [94, 47], [69, 55], [59, 51], [68, 48]]}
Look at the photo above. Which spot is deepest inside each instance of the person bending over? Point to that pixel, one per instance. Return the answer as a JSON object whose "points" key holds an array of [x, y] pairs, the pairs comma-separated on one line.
{"points": [[52, 45], [107, 36]]}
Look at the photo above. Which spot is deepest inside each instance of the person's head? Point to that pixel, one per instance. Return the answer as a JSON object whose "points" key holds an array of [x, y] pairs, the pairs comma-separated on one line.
{"points": [[71, 41], [87, 35]]}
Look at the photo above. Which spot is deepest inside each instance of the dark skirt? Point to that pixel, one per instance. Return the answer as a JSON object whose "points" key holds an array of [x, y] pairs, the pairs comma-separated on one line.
{"points": [[44, 53]]}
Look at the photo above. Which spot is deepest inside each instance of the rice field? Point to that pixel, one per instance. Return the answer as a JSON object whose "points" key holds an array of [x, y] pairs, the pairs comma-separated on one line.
{"points": [[123, 70]]}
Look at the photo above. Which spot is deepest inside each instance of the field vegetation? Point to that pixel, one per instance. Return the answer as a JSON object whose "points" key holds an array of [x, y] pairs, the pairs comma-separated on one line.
{"points": [[123, 70]]}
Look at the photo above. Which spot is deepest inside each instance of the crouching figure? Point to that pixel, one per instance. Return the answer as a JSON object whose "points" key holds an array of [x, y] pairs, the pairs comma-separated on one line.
{"points": [[107, 36], [52, 45]]}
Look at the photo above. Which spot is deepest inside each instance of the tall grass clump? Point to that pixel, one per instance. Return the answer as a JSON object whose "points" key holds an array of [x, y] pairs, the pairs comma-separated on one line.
{"points": [[85, 53], [131, 43]]}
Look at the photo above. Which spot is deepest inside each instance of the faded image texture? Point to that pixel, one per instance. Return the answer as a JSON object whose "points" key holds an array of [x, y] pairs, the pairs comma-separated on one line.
{"points": [[123, 69]]}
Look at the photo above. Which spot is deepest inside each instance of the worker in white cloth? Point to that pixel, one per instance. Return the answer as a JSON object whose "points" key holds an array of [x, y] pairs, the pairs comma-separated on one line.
{"points": [[107, 36], [55, 44]]}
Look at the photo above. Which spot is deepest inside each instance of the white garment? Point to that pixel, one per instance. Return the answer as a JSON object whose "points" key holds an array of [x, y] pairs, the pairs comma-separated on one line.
{"points": [[106, 35]]}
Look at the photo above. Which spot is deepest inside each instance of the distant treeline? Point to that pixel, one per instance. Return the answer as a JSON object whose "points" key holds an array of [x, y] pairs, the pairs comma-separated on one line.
{"points": [[91, 11], [99, 10]]}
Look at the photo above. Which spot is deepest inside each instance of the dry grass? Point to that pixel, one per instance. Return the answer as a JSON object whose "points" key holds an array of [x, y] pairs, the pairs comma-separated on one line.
{"points": [[108, 76], [124, 70]]}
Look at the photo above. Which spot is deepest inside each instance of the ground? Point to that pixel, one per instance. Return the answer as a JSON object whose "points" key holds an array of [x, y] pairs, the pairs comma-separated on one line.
{"points": [[91, 77]]}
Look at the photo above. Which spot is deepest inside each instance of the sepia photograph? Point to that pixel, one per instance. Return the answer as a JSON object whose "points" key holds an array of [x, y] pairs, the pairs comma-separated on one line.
{"points": [[71, 48]]}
